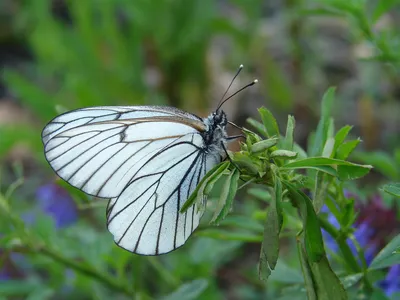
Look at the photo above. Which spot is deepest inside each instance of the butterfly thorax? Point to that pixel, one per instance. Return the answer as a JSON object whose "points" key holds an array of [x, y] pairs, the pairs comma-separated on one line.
{"points": [[215, 133]]}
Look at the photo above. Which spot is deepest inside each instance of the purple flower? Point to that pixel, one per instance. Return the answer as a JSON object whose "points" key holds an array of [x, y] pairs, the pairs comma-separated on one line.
{"points": [[57, 203], [374, 225], [363, 235], [391, 284]]}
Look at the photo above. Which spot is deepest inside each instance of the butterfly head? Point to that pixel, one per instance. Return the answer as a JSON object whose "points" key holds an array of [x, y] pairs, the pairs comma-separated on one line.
{"points": [[215, 132], [219, 118], [216, 120]]}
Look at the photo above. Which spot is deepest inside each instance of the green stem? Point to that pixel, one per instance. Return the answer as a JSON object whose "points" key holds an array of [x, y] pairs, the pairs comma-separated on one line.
{"points": [[36, 245], [341, 240], [87, 270], [343, 246]]}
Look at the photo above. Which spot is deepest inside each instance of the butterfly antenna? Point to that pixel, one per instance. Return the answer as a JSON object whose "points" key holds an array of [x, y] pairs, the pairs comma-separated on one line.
{"points": [[233, 79], [237, 92]]}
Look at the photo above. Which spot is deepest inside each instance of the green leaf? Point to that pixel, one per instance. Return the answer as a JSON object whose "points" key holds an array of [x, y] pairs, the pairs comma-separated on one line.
{"points": [[211, 177], [299, 150], [350, 280], [340, 137], [188, 291], [345, 149], [263, 145], [387, 256], [322, 131], [226, 198], [312, 231], [245, 162], [257, 126], [392, 189], [306, 270], [329, 147], [270, 246], [345, 170], [326, 169], [284, 154], [328, 285], [287, 142], [320, 280], [348, 214], [381, 161], [269, 121], [321, 188]]}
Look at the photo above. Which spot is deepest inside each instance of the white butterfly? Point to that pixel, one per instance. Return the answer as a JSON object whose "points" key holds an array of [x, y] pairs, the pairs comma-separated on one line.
{"points": [[147, 159]]}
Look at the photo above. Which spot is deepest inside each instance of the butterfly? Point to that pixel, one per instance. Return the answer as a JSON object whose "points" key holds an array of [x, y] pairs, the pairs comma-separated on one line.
{"points": [[146, 159]]}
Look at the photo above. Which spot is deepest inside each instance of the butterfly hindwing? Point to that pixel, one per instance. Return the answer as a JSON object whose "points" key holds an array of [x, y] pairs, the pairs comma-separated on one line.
{"points": [[145, 218]]}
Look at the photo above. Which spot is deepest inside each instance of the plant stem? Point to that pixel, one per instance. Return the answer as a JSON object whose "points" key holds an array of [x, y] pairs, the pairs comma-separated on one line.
{"points": [[87, 270], [343, 246], [341, 240]]}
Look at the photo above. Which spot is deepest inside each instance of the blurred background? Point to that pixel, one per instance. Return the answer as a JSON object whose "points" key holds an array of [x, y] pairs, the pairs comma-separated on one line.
{"points": [[58, 55]]}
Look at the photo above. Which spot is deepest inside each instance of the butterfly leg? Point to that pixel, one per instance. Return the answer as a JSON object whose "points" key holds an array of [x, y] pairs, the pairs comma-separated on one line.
{"points": [[227, 155], [234, 137]]}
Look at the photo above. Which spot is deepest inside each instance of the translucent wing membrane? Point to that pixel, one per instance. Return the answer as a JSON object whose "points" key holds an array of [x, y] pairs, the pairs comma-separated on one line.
{"points": [[147, 159]]}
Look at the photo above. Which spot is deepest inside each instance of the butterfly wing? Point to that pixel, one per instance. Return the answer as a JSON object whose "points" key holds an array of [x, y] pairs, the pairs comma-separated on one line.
{"points": [[145, 218], [147, 159], [100, 149]]}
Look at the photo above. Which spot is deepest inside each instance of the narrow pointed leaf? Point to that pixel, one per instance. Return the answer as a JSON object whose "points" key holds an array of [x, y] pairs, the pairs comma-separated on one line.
{"points": [[259, 127], [270, 245], [341, 136], [392, 189], [324, 124], [388, 256], [345, 149], [226, 198], [269, 121], [287, 142], [312, 231], [264, 145], [212, 176]]}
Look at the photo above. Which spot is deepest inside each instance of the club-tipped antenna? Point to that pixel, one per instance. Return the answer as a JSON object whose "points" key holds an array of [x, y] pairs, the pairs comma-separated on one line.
{"points": [[233, 79], [237, 92]]}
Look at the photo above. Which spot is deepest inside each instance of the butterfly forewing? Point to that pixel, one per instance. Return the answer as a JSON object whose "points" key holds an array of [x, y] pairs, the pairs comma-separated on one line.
{"points": [[95, 152], [147, 159]]}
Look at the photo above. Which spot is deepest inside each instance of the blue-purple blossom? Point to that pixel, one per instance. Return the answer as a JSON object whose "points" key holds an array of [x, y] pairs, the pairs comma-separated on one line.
{"points": [[57, 203], [374, 224], [391, 284], [363, 234]]}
